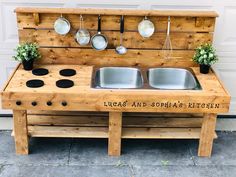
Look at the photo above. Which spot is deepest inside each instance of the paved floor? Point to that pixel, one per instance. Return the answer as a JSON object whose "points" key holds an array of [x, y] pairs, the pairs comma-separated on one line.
{"points": [[140, 158]]}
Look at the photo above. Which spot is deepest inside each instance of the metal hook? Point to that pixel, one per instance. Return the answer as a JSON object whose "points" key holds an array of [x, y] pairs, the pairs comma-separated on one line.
{"points": [[81, 17]]}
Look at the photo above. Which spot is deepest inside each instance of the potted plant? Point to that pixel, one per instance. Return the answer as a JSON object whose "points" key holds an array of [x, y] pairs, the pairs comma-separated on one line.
{"points": [[205, 56], [26, 53]]}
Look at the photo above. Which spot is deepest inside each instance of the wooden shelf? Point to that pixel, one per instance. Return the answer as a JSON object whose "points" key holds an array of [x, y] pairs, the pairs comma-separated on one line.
{"points": [[161, 133], [90, 11], [102, 132], [66, 132]]}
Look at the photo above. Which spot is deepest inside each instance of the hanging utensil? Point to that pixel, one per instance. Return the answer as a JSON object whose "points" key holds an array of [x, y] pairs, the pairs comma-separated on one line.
{"points": [[167, 47], [121, 49], [99, 41], [82, 36], [146, 28], [62, 26]]}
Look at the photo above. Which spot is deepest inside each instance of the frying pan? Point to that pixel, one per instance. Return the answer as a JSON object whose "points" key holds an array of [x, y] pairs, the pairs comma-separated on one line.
{"points": [[146, 28], [82, 36], [62, 26], [99, 41]]}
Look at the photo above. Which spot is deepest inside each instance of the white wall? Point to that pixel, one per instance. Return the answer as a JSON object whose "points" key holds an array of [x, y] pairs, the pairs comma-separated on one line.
{"points": [[225, 36]]}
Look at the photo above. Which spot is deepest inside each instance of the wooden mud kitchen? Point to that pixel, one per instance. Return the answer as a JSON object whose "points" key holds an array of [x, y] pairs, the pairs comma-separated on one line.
{"points": [[89, 90]]}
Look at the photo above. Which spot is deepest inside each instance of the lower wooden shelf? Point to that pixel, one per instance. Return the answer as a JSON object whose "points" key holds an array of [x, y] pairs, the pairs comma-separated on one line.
{"points": [[64, 132], [95, 125], [102, 132]]}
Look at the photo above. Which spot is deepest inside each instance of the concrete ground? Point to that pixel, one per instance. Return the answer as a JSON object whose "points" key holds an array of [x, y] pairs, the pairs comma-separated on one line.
{"points": [[51, 157]]}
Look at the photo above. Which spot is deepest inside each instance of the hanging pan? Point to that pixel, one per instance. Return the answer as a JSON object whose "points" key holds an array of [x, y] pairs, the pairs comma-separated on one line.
{"points": [[99, 41], [146, 28], [82, 36], [62, 26]]}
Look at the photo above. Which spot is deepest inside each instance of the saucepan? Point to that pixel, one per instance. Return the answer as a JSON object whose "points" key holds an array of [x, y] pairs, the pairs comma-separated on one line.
{"points": [[82, 36], [62, 26], [99, 41], [146, 28]]}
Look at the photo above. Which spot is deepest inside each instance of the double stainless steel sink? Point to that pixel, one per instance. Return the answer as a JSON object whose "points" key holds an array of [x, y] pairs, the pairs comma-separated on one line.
{"points": [[153, 78]]}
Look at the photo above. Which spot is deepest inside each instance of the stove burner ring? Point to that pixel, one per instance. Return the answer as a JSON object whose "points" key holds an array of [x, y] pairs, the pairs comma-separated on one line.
{"points": [[67, 72], [64, 83], [34, 83], [40, 72]]}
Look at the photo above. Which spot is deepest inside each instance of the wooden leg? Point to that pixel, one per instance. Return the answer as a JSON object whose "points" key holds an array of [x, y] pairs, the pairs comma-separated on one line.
{"points": [[21, 132], [207, 135], [115, 128]]}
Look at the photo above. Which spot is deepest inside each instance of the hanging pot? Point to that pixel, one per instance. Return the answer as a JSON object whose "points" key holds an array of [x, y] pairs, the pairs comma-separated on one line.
{"points": [[146, 28], [82, 36], [62, 26], [204, 69], [28, 64]]}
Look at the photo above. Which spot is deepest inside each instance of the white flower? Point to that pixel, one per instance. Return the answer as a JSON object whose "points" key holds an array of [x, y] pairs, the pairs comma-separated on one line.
{"points": [[202, 52], [205, 56], [211, 55]]}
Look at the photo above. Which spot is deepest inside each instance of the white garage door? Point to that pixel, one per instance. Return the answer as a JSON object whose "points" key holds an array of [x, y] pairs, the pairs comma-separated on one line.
{"points": [[225, 36]]}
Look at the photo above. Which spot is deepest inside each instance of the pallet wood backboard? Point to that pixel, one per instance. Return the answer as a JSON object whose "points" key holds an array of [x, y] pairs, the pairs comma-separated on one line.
{"points": [[188, 30]]}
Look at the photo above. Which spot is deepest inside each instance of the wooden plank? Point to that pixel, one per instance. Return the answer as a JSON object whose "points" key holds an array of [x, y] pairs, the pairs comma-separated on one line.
{"points": [[79, 11], [105, 114], [132, 40], [191, 104], [9, 78], [21, 132], [178, 24], [66, 132], [220, 81], [102, 132], [66, 113], [36, 19], [115, 131], [101, 121], [161, 133], [137, 58], [207, 135]]}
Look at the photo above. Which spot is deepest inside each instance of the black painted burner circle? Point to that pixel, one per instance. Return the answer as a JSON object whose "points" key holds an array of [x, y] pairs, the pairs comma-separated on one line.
{"points": [[67, 72], [40, 71], [34, 83], [64, 83]]}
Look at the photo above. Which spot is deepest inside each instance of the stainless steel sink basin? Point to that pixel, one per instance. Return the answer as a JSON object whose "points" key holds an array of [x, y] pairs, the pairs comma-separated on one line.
{"points": [[172, 79], [118, 78]]}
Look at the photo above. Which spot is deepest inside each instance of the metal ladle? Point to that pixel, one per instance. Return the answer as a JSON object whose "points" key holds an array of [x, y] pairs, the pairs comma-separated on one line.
{"points": [[121, 49]]}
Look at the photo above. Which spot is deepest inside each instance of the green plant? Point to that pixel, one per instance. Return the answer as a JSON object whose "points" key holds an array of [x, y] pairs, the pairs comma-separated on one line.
{"points": [[205, 55], [27, 51]]}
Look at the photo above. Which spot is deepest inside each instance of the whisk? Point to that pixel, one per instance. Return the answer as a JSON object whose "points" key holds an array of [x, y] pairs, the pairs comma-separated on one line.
{"points": [[167, 47]]}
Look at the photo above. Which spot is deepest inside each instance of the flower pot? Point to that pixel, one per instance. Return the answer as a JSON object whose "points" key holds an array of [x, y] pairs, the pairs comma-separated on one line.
{"points": [[28, 64], [204, 69]]}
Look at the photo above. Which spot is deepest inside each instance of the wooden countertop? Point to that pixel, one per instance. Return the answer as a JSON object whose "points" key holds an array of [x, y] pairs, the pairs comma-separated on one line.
{"points": [[103, 99]]}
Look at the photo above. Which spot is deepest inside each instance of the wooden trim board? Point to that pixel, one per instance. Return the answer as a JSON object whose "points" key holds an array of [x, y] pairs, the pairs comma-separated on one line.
{"points": [[112, 23], [127, 133], [117, 12]]}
